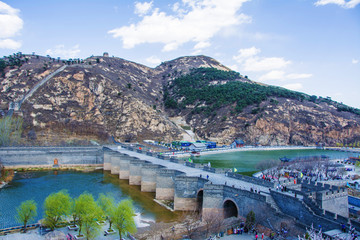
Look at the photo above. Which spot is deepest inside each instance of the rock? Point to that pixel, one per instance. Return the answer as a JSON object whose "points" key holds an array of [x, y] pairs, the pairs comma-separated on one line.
{"points": [[55, 235], [124, 100]]}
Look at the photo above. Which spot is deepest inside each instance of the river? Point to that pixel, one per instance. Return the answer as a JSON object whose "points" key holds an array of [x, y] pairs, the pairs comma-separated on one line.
{"points": [[38, 185]]}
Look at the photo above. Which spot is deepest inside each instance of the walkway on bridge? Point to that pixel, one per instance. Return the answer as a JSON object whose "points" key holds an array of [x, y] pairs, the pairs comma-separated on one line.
{"points": [[215, 178]]}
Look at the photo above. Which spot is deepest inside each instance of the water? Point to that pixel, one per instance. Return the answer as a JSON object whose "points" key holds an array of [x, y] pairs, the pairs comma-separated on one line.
{"points": [[246, 161], [38, 185]]}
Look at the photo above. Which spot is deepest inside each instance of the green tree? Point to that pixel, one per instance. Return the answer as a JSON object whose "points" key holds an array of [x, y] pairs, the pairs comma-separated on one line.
{"points": [[2, 65], [73, 212], [107, 204], [88, 212], [56, 206], [123, 217], [26, 212]]}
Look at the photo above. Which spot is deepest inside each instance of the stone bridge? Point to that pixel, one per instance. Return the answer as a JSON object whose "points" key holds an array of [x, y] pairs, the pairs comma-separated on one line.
{"points": [[190, 188], [228, 195], [202, 189]]}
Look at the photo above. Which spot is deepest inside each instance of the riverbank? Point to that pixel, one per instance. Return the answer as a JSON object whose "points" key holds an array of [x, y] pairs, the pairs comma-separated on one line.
{"points": [[242, 149], [7, 176]]}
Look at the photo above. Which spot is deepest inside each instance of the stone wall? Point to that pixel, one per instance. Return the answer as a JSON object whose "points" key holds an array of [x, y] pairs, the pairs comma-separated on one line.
{"points": [[186, 190], [335, 201], [165, 183], [25, 157], [298, 209]]}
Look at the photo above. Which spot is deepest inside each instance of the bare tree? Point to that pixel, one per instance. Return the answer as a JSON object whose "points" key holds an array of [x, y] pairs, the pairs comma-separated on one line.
{"points": [[156, 231], [191, 222], [212, 221]]}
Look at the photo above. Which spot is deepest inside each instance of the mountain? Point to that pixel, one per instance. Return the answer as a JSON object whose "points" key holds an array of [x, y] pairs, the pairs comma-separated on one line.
{"points": [[102, 97]]}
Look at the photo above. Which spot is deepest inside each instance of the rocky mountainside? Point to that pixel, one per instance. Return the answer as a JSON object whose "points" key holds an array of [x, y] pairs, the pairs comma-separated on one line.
{"points": [[102, 97]]}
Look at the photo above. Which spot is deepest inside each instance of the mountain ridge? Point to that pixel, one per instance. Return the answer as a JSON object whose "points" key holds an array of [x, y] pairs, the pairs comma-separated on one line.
{"points": [[119, 98]]}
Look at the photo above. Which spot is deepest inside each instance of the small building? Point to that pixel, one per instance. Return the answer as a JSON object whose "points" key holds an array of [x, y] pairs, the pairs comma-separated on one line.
{"points": [[185, 143], [106, 54], [210, 144], [197, 147], [238, 143]]}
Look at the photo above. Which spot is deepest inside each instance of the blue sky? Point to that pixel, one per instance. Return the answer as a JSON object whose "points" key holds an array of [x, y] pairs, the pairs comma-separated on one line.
{"points": [[312, 46]]}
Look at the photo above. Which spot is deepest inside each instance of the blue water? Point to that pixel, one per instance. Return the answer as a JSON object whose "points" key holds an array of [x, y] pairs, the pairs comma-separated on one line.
{"points": [[38, 185]]}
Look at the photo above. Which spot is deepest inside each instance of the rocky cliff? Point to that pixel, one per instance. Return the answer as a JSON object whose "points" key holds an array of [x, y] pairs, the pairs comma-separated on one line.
{"points": [[102, 97]]}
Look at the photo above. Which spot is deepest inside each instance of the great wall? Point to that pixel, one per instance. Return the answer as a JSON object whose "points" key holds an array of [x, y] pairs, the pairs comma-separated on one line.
{"points": [[193, 187]]}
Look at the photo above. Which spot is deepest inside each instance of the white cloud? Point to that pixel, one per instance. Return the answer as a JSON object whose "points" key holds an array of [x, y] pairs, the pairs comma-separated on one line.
{"points": [[153, 60], [352, 3], [249, 60], [258, 64], [60, 51], [281, 76], [342, 3], [273, 75], [355, 61], [9, 44], [298, 75], [192, 21], [270, 68], [293, 86], [10, 26], [202, 45], [143, 8], [246, 53]]}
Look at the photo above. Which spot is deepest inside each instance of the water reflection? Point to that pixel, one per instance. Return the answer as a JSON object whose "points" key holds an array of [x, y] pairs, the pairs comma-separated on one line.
{"points": [[38, 185]]}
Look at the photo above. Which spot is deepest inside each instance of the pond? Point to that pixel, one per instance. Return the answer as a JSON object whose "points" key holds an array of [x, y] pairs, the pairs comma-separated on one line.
{"points": [[246, 161], [38, 185]]}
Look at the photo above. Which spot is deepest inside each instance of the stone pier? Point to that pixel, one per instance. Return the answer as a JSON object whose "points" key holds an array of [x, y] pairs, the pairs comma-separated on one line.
{"points": [[115, 163], [214, 198], [186, 190], [148, 177], [165, 183], [135, 171], [124, 172], [107, 159]]}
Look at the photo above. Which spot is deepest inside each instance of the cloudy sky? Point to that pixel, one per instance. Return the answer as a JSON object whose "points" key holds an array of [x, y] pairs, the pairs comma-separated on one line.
{"points": [[312, 46]]}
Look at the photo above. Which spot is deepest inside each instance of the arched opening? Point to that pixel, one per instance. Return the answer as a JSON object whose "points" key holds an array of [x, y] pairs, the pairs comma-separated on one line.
{"points": [[230, 209], [199, 200]]}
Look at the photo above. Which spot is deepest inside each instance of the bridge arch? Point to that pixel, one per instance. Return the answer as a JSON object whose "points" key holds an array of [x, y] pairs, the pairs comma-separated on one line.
{"points": [[230, 208], [200, 200]]}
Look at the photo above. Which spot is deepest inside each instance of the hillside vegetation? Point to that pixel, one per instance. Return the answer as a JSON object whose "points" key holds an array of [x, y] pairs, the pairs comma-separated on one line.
{"points": [[196, 89]]}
